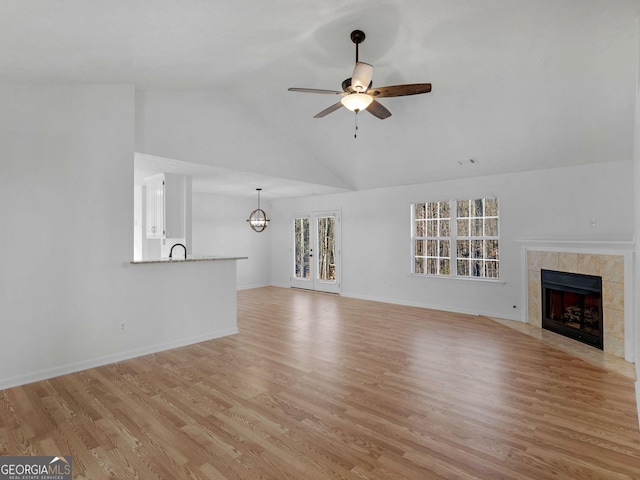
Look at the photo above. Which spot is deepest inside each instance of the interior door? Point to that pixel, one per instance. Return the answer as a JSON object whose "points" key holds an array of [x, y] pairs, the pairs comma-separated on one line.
{"points": [[316, 251]]}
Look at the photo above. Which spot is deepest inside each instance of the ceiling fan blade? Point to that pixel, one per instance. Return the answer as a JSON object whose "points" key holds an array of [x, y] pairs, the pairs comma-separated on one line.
{"points": [[316, 90], [378, 110], [329, 110], [362, 75], [400, 90]]}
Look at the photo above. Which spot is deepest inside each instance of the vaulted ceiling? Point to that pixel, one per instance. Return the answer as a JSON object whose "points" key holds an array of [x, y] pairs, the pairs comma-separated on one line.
{"points": [[517, 84]]}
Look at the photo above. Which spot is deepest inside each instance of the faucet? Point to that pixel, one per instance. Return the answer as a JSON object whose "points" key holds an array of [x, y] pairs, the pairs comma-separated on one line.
{"points": [[176, 245]]}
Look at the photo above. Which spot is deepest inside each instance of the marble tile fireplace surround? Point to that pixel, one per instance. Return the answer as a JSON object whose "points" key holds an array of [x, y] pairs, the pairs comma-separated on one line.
{"points": [[611, 261]]}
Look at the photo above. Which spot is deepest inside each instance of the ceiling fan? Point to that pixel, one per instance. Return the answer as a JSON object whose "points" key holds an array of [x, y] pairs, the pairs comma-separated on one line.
{"points": [[357, 92]]}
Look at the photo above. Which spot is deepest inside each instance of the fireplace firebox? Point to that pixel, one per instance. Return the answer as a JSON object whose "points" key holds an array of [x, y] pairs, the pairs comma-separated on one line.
{"points": [[572, 306]]}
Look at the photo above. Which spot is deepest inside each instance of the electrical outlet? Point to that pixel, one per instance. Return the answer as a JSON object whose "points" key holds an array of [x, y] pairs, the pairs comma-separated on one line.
{"points": [[122, 326]]}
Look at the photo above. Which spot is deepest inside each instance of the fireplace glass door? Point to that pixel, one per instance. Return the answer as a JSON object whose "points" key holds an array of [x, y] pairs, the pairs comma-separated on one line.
{"points": [[572, 306]]}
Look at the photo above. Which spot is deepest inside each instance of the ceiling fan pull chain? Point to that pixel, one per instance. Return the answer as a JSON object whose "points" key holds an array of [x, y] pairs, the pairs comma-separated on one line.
{"points": [[355, 132]]}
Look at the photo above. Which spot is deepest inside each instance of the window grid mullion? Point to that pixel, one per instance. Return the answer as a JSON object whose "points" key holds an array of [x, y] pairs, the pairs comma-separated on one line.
{"points": [[453, 228]]}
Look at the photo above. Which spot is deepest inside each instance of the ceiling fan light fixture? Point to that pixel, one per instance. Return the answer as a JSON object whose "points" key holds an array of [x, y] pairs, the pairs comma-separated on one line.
{"points": [[356, 101]]}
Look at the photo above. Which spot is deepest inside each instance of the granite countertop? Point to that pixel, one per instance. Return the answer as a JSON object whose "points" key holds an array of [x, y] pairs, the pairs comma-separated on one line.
{"points": [[190, 258]]}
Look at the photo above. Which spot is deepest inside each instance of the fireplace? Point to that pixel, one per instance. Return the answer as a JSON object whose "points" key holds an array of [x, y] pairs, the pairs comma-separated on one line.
{"points": [[572, 306]]}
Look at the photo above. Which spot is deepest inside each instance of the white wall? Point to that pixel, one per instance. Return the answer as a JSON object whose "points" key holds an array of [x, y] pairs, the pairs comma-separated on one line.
{"points": [[220, 228], [66, 203], [549, 204]]}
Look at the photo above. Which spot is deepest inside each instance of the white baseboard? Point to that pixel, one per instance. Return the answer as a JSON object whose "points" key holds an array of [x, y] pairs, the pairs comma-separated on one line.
{"points": [[108, 359], [443, 308], [256, 285]]}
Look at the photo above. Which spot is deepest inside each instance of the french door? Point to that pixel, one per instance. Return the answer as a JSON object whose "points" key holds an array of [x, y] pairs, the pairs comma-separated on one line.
{"points": [[316, 251]]}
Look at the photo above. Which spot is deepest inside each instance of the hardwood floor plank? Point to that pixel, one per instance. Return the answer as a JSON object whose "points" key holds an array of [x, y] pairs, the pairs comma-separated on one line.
{"points": [[320, 386]]}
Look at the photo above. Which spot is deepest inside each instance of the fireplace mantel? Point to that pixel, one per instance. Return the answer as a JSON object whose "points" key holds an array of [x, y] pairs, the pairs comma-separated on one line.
{"points": [[612, 260], [579, 244]]}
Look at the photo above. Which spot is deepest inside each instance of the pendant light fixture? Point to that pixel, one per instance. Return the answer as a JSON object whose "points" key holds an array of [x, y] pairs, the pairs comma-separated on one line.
{"points": [[258, 219]]}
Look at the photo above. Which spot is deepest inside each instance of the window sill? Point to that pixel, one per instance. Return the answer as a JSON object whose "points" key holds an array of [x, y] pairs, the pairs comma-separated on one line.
{"points": [[488, 281]]}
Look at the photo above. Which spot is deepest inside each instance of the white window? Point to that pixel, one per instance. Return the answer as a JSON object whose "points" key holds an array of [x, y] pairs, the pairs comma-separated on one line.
{"points": [[432, 238], [456, 238]]}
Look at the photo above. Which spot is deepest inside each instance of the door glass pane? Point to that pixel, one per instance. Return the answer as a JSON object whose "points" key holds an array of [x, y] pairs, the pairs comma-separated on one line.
{"points": [[326, 248], [301, 250]]}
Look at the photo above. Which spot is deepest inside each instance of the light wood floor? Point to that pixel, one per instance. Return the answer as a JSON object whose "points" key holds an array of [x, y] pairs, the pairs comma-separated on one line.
{"points": [[319, 386]]}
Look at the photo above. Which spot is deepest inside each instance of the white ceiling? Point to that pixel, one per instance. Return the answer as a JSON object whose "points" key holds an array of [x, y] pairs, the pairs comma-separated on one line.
{"points": [[517, 84]]}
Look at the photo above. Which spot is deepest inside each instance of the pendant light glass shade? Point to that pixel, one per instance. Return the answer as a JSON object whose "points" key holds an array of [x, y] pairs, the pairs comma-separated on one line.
{"points": [[258, 219], [356, 101]]}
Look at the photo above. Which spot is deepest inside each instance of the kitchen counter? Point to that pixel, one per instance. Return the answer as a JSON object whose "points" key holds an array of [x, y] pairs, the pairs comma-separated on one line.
{"points": [[174, 306], [190, 258]]}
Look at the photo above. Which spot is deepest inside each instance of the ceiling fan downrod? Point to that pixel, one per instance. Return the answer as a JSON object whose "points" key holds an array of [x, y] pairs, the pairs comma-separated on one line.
{"points": [[357, 37]]}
